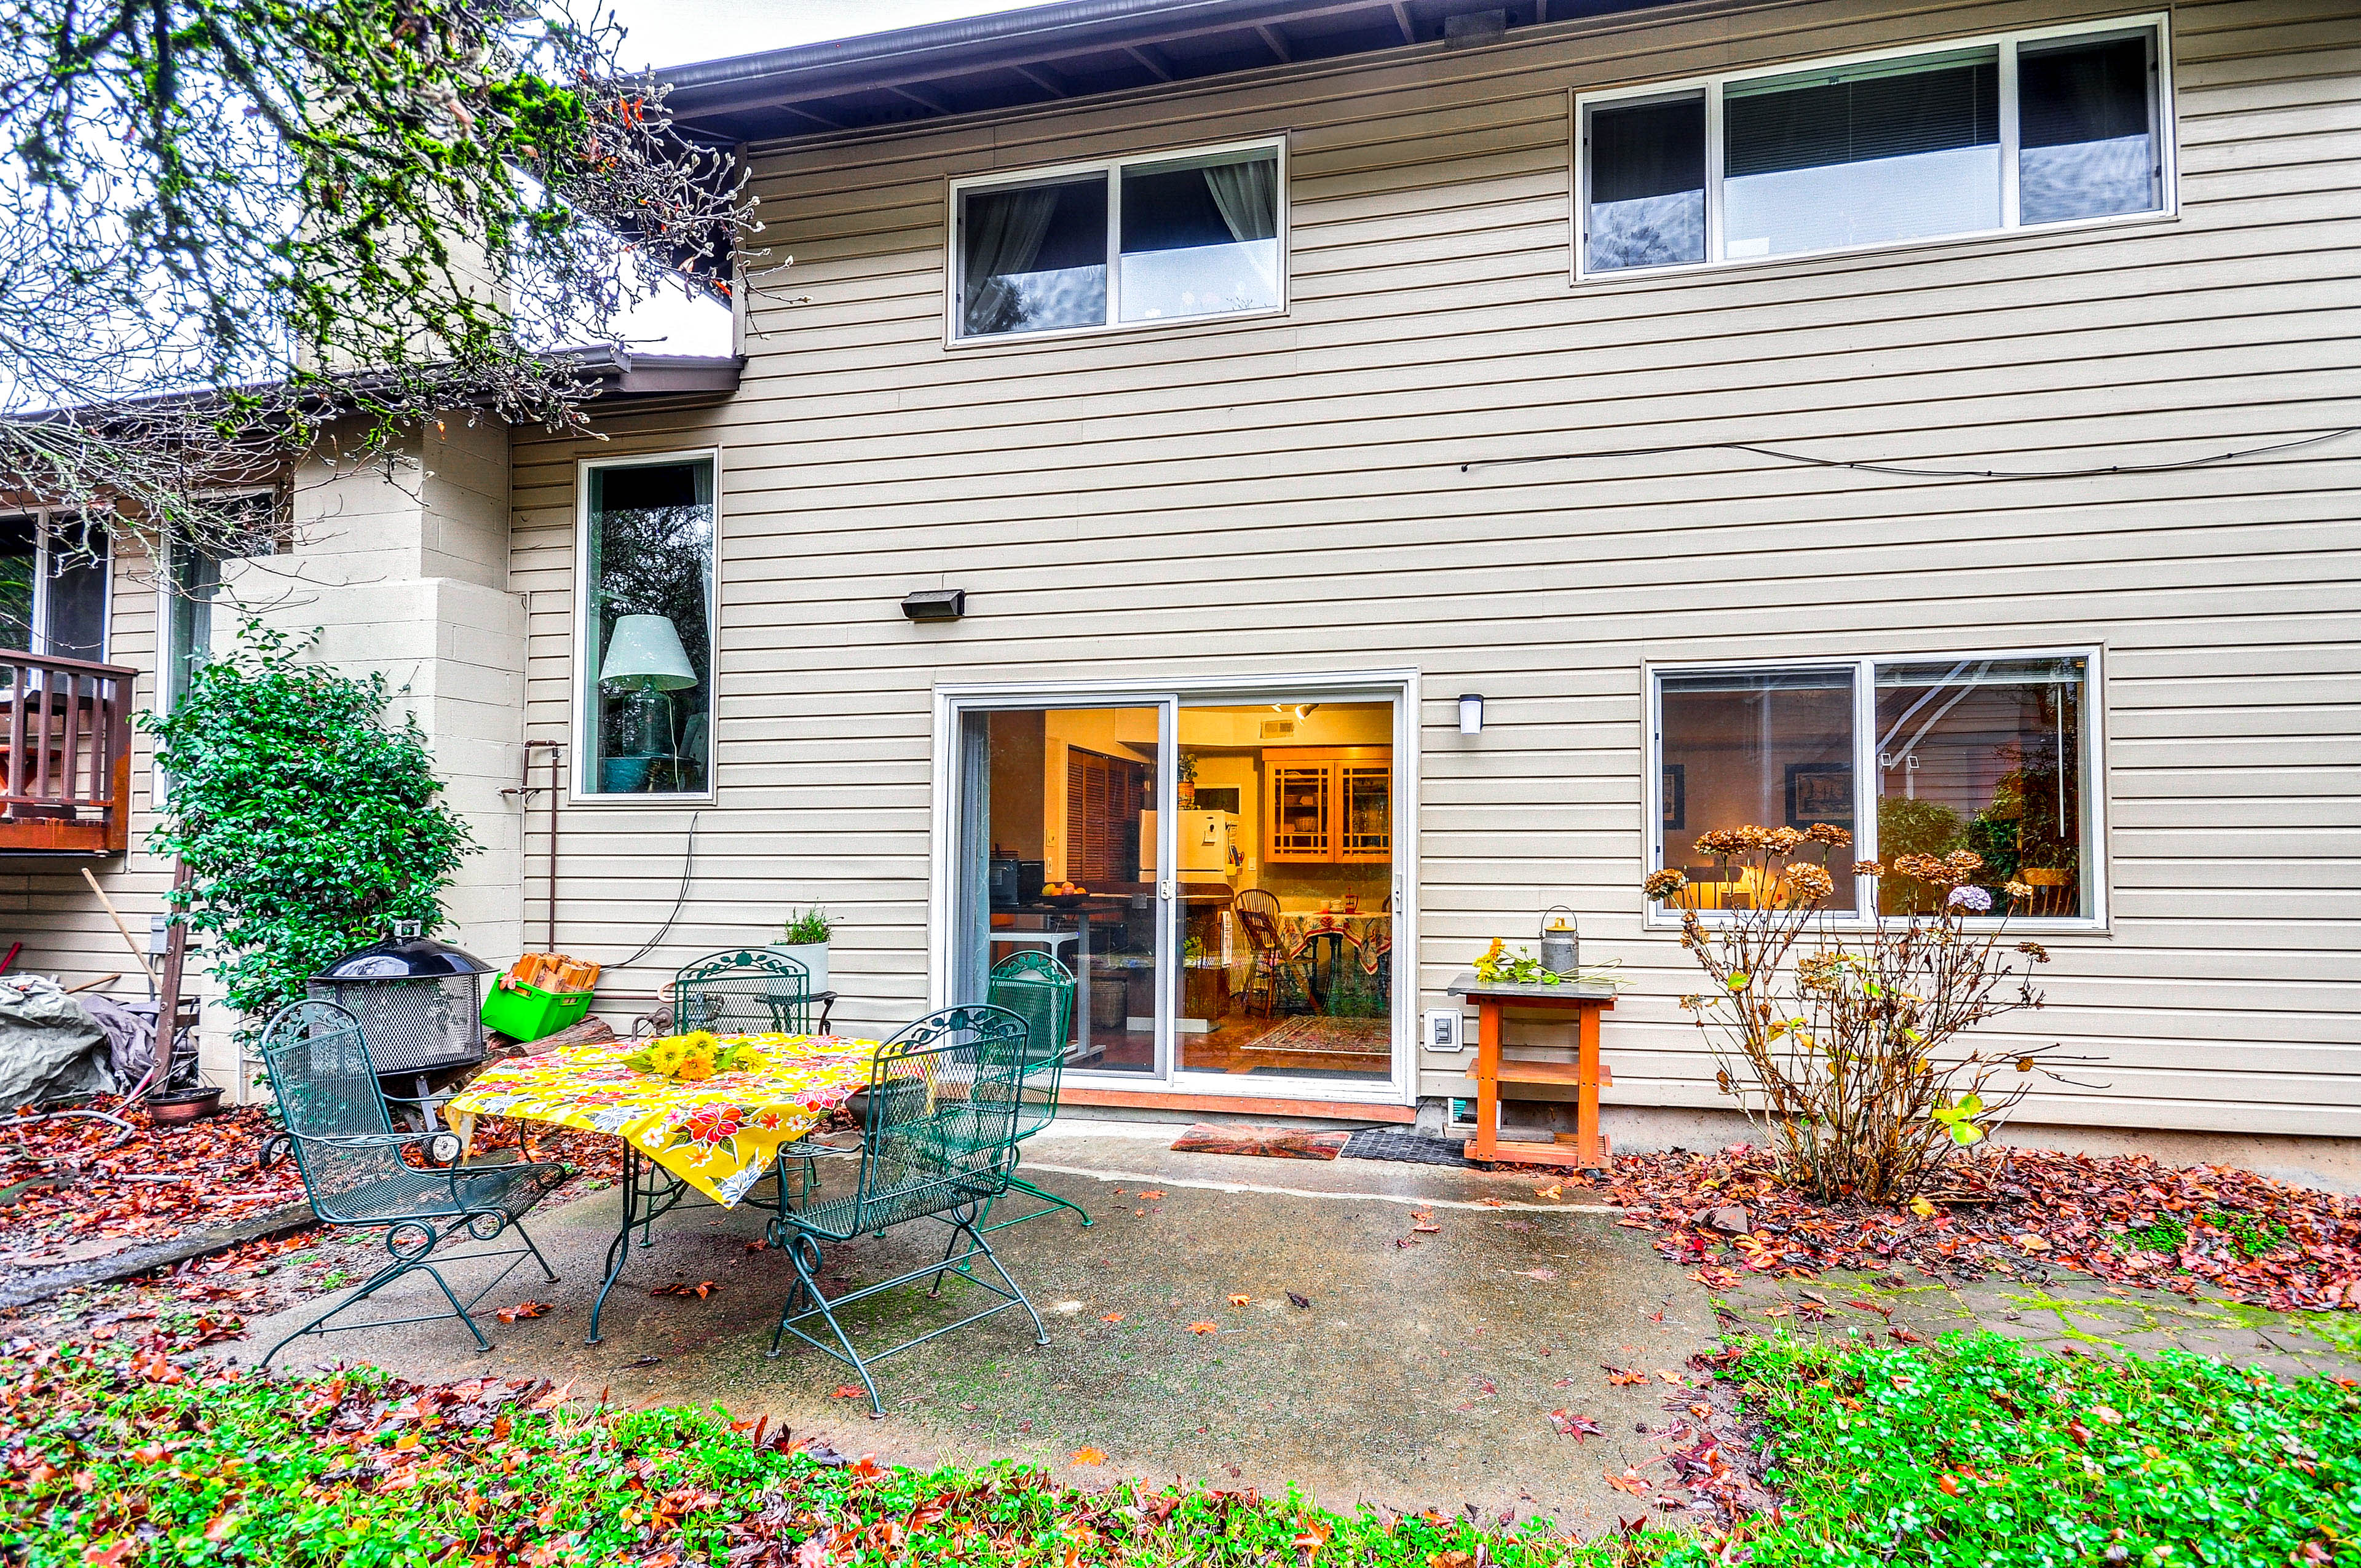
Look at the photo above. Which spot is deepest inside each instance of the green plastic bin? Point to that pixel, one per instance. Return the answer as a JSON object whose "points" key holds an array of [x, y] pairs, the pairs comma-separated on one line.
{"points": [[524, 1011]]}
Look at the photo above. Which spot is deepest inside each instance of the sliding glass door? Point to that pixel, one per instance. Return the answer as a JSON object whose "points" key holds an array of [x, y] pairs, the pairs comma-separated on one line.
{"points": [[1221, 875], [1056, 818]]}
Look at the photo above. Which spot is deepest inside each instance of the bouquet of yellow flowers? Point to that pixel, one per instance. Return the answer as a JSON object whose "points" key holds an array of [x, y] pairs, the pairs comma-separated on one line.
{"points": [[694, 1058]]}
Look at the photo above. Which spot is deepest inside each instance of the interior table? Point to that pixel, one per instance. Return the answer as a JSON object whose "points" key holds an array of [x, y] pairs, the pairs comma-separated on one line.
{"points": [[1494, 1067], [1079, 912]]}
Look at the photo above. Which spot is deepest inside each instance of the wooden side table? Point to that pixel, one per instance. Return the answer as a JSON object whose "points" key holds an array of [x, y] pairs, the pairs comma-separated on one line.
{"points": [[1586, 1073]]}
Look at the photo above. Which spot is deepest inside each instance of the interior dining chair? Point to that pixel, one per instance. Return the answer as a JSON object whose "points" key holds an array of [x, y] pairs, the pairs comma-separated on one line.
{"points": [[1257, 912]]}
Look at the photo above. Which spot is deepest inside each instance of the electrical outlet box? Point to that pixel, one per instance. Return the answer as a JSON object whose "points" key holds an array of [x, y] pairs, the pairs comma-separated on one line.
{"points": [[1445, 1030]]}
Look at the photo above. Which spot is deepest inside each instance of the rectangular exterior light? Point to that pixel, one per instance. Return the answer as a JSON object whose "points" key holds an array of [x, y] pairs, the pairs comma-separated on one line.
{"points": [[1471, 714], [935, 604]]}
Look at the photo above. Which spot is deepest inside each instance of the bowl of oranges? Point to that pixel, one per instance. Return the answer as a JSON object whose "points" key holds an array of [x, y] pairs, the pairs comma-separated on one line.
{"points": [[1064, 894]]}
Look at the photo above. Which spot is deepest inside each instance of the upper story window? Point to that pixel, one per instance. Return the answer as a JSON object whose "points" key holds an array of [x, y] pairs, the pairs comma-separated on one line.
{"points": [[1920, 756], [2059, 125], [53, 577], [644, 648], [1126, 243]]}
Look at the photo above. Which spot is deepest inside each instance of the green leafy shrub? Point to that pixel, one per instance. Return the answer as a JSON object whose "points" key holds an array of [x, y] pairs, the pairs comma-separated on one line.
{"points": [[1974, 1451], [308, 824]]}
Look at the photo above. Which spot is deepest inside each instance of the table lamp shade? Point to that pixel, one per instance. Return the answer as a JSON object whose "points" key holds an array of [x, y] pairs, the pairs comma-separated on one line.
{"points": [[645, 650]]}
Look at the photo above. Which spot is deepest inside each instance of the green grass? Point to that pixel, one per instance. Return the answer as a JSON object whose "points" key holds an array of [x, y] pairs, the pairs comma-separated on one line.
{"points": [[1975, 1452]]}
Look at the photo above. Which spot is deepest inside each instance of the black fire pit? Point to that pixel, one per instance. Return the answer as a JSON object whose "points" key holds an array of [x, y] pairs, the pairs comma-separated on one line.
{"points": [[420, 1003]]}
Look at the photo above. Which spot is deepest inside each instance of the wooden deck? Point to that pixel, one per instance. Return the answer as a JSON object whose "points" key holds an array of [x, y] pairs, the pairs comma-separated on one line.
{"points": [[65, 731]]}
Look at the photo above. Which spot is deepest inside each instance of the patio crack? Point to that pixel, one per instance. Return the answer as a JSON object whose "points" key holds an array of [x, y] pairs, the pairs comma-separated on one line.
{"points": [[1496, 1205]]}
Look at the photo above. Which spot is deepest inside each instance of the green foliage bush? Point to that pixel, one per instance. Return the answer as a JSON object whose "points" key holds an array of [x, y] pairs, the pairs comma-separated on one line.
{"points": [[307, 822]]}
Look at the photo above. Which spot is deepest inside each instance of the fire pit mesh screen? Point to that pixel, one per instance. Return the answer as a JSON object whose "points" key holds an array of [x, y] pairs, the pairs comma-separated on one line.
{"points": [[413, 1026], [419, 1000]]}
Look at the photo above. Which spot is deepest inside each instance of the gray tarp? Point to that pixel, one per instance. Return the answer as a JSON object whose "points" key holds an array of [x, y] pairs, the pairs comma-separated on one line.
{"points": [[50, 1047]]}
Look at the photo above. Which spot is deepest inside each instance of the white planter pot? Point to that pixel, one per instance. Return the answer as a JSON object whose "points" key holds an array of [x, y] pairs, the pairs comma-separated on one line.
{"points": [[813, 956]]}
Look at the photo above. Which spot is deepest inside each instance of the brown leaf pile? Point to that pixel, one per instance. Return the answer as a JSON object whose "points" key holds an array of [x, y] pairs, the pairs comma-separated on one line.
{"points": [[593, 1154], [2018, 1210], [93, 1191]]}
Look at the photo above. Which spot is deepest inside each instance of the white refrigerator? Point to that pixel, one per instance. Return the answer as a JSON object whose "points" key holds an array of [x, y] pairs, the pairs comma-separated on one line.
{"points": [[1208, 846]]}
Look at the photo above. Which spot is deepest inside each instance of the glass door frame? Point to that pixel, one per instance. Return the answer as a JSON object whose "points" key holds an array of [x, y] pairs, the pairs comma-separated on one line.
{"points": [[1401, 688]]}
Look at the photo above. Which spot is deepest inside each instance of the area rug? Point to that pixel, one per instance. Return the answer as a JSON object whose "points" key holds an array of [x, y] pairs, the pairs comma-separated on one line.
{"points": [[1314, 1034], [1269, 1143]]}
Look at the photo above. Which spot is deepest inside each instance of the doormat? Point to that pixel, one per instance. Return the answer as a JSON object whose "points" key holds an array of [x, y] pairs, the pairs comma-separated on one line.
{"points": [[1269, 1143], [1314, 1034], [1408, 1148]]}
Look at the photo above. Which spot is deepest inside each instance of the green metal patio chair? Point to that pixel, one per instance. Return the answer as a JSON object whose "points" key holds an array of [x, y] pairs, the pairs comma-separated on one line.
{"points": [[753, 991], [1039, 990], [938, 1140], [747, 991], [354, 1172]]}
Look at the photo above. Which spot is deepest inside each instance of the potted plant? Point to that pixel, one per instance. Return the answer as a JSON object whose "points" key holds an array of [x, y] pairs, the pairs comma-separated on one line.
{"points": [[1188, 790], [804, 939]]}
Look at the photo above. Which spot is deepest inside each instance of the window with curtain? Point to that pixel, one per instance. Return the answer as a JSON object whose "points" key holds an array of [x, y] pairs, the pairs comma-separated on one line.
{"points": [[1884, 151], [1916, 756], [647, 630], [1127, 243]]}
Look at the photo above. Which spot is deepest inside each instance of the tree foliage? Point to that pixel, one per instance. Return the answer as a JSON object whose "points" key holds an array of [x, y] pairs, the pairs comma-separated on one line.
{"points": [[307, 822], [305, 210]]}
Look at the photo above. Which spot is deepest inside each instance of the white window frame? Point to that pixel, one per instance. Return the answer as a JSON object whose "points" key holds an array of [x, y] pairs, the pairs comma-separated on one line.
{"points": [[2006, 44], [2096, 918], [585, 654], [954, 267], [45, 524], [168, 581]]}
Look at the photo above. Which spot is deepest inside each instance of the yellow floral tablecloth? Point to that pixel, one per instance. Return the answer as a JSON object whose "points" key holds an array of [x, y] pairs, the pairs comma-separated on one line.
{"points": [[717, 1133]]}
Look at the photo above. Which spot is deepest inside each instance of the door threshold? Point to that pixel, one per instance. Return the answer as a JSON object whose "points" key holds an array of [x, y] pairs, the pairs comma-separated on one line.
{"points": [[1237, 1105]]}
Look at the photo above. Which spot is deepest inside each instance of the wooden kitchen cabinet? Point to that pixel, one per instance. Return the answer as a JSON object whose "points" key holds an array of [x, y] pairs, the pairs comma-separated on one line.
{"points": [[1329, 806]]}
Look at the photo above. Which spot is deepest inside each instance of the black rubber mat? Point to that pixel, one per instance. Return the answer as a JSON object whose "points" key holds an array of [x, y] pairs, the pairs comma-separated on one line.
{"points": [[1408, 1148]]}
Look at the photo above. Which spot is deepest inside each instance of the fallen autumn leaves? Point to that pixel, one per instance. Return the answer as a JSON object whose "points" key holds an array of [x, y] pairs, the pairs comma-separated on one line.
{"points": [[2126, 1219], [101, 1463]]}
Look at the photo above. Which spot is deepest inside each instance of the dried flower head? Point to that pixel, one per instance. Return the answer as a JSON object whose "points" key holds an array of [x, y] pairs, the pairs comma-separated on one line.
{"points": [[1868, 868], [1782, 840], [2035, 951], [1664, 884], [2019, 891], [1721, 841], [1807, 884], [1929, 869], [1827, 833]]}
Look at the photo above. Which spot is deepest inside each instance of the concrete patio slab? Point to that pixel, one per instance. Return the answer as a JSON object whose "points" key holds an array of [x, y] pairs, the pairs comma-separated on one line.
{"points": [[1422, 1373]]}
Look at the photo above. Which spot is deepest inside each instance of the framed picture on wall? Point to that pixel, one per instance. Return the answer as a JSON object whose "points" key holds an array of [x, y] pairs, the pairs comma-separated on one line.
{"points": [[1677, 796], [1819, 792]]}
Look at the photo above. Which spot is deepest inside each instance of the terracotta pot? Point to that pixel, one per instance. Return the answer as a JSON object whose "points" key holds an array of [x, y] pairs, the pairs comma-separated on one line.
{"points": [[188, 1105]]}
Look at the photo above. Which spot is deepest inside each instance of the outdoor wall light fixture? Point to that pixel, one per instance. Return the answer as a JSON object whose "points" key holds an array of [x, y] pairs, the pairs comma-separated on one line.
{"points": [[935, 604], [1471, 714]]}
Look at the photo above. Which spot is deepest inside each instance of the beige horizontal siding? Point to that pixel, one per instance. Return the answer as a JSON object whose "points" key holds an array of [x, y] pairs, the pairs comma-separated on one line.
{"points": [[1286, 494]]}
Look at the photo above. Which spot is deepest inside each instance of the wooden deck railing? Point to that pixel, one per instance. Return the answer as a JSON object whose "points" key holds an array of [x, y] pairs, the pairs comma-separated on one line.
{"points": [[65, 727]]}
